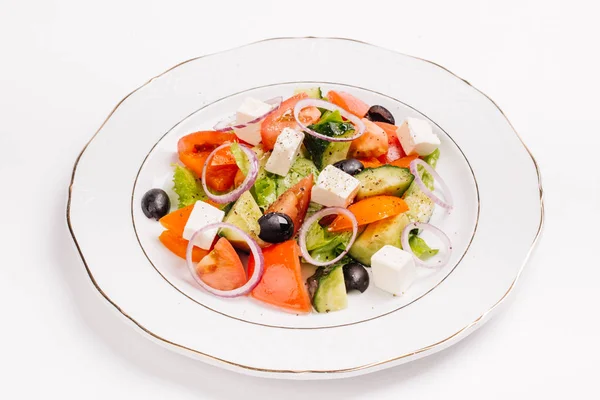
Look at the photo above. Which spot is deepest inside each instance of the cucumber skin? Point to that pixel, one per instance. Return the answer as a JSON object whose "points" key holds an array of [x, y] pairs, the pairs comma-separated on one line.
{"points": [[324, 153], [331, 293], [376, 181], [377, 235]]}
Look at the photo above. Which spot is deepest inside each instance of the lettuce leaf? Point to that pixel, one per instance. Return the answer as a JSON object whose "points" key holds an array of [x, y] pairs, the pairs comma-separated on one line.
{"points": [[240, 158], [420, 248], [323, 245], [301, 168], [186, 185], [332, 124], [265, 188], [432, 160]]}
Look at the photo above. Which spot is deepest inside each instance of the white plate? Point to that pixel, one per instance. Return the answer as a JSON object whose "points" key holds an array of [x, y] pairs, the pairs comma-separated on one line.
{"points": [[498, 215]]}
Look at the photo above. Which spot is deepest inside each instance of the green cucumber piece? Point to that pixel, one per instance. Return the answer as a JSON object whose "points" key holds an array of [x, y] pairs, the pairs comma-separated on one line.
{"points": [[376, 235], [328, 289], [384, 180], [244, 214]]}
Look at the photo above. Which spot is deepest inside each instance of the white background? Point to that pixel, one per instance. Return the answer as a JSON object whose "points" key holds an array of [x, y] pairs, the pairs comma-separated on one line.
{"points": [[65, 64]]}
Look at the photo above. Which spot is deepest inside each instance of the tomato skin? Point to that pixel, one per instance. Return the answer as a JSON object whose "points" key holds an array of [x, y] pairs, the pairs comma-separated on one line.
{"points": [[282, 118], [395, 150], [348, 102], [281, 284], [294, 202], [372, 143], [370, 210], [178, 246], [222, 268], [194, 149]]}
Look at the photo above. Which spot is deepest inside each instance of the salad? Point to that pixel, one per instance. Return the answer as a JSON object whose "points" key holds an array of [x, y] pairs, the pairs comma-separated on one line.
{"points": [[321, 183]]}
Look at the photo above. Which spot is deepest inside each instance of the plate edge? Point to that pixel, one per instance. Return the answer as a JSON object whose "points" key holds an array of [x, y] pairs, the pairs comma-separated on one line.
{"points": [[255, 370]]}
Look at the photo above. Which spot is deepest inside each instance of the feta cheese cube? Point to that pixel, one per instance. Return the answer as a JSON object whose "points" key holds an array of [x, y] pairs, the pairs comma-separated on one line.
{"points": [[394, 270], [251, 109], [416, 137], [285, 151], [203, 214], [335, 188]]}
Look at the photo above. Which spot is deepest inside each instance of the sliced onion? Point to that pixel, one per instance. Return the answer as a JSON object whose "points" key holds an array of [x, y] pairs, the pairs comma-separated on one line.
{"points": [[448, 203], [427, 227], [227, 124], [246, 184], [256, 253], [315, 218], [358, 124]]}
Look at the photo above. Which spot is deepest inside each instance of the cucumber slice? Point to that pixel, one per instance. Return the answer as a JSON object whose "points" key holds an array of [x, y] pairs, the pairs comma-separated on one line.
{"points": [[324, 153], [420, 207], [244, 214], [378, 234], [386, 179], [328, 289]]}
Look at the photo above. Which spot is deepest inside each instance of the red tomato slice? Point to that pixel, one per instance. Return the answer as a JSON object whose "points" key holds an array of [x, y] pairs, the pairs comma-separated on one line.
{"points": [[283, 117], [395, 150], [222, 268], [221, 172], [281, 284], [294, 202], [178, 246], [349, 103], [195, 148]]}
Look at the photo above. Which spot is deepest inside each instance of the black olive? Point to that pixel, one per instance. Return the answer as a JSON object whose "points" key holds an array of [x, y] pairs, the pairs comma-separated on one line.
{"points": [[380, 114], [356, 277], [350, 166], [156, 204], [276, 227]]}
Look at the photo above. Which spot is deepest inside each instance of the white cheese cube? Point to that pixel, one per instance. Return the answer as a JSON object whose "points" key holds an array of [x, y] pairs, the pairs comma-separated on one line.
{"points": [[251, 109], [285, 151], [417, 137], [394, 270], [335, 188], [203, 214]]}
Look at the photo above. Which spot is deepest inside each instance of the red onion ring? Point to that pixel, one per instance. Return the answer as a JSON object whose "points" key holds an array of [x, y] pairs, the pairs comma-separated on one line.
{"points": [[225, 125], [254, 248], [315, 218], [246, 184], [358, 124], [439, 233], [448, 203]]}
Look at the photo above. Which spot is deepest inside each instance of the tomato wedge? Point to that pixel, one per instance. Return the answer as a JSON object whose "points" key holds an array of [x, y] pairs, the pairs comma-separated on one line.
{"points": [[222, 268], [194, 149], [404, 162], [348, 102], [395, 150], [294, 202], [281, 284], [370, 210], [283, 117], [178, 246]]}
